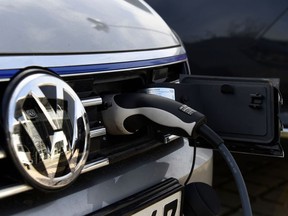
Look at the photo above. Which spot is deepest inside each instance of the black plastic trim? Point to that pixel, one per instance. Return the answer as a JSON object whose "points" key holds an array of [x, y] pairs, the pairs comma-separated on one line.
{"points": [[142, 199]]}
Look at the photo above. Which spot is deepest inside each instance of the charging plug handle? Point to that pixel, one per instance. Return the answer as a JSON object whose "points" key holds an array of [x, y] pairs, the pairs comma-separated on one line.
{"points": [[127, 113]]}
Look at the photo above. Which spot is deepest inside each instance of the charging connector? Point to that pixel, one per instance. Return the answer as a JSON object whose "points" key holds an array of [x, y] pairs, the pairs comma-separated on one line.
{"points": [[127, 113]]}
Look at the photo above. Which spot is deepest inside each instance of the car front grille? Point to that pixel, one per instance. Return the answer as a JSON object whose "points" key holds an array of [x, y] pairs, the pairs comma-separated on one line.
{"points": [[104, 149]]}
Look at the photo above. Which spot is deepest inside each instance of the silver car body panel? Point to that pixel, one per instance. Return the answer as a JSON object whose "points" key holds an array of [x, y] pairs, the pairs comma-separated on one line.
{"points": [[114, 183], [61, 26]]}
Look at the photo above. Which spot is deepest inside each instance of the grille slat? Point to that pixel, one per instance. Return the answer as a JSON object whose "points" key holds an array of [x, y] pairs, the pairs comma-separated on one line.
{"points": [[13, 189], [2, 153], [95, 165], [101, 131], [92, 102]]}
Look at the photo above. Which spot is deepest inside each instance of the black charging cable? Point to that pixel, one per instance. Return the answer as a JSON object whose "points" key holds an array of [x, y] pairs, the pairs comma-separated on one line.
{"points": [[208, 134], [127, 113], [193, 162]]}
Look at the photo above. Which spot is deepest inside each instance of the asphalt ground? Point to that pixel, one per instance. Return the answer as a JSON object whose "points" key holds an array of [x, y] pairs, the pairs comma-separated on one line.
{"points": [[266, 180]]}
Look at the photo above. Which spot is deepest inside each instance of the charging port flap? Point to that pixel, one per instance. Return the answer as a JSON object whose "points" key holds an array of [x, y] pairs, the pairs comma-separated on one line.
{"points": [[243, 111]]}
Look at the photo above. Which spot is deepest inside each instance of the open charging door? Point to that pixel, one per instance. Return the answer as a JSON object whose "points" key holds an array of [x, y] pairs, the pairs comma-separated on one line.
{"points": [[244, 112]]}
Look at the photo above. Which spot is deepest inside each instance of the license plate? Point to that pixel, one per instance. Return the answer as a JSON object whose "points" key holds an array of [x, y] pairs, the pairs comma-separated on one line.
{"points": [[163, 199], [170, 205]]}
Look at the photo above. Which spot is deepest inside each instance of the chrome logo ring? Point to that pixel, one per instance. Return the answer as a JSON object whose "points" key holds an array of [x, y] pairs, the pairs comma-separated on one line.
{"points": [[46, 128]]}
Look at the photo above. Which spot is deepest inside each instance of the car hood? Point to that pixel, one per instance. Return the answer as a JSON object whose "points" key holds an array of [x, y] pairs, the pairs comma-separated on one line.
{"points": [[87, 26]]}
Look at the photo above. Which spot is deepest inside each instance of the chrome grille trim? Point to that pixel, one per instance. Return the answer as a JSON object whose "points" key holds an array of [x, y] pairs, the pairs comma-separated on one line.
{"points": [[18, 61], [92, 102], [4, 79], [119, 70], [2, 153], [169, 138], [95, 165], [13, 190], [20, 188], [101, 131], [284, 133]]}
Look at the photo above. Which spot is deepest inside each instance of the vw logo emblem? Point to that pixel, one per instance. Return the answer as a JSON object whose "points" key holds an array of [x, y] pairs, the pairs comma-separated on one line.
{"points": [[46, 128]]}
